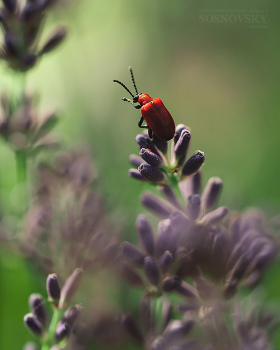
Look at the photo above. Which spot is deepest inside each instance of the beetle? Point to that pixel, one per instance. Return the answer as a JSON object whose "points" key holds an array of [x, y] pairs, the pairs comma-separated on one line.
{"points": [[159, 120]]}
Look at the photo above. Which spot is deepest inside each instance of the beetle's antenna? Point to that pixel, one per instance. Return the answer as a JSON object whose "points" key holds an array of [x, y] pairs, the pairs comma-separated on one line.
{"points": [[117, 81], [133, 81]]}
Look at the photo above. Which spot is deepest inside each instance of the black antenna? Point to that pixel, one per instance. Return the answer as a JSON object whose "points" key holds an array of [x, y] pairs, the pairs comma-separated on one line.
{"points": [[117, 81], [133, 81]]}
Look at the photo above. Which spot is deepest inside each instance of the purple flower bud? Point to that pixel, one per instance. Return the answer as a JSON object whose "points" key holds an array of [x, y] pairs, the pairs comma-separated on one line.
{"points": [[133, 253], [36, 304], [33, 324], [193, 164], [135, 174], [165, 231], [70, 287], [10, 5], [151, 158], [135, 160], [145, 233], [181, 147], [211, 192], [171, 196], [145, 313], [253, 279], [71, 315], [214, 216], [151, 147], [151, 271], [158, 206], [132, 328], [62, 331], [160, 144], [141, 140], [178, 131], [193, 209], [53, 287], [186, 290], [171, 284], [130, 275], [54, 40], [165, 262], [265, 256], [167, 309], [150, 173]]}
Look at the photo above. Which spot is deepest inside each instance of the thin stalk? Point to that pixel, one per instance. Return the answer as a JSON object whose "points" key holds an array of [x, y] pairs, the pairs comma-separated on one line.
{"points": [[47, 342]]}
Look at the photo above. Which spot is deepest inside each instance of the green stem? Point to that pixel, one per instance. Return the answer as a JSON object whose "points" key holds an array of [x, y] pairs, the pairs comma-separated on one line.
{"points": [[47, 342], [21, 166], [175, 185]]}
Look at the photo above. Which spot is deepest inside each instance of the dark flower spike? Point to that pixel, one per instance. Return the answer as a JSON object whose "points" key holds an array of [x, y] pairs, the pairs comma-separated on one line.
{"points": [[145, 313], [130, 275], [165, 262], [181, 147], [151, 271], [158, 206], [70, 287], [135, 160], [36, 304], [193, 164], [53, 287], [151, 158], [133, 254], [132, 328], [150, 173], [141, 140], [135, 174], [54, 40], [194, 207], [145, 233], [211, 193], [33, 324], [171, 196], [62, 331], [214, 216], [165, 231], [160, 144]]}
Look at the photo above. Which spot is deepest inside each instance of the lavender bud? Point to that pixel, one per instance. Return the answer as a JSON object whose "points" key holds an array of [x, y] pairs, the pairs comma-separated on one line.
{"points": [[145, 313], [158, 206], [193, 209], [151, 271], [135, 174], [151, 147], [54, 40], [130, 275], [160, 144], [33, 324], [178, 131], [265, 256], [145, 233], [167, 309], [36, 304], [135, 160], [150, 173], [10, 5], [253, 279], [186, 290], [70, 287], [171, 196], [171, 284], [181, 147], [71, 315], [141, 140], [165, 231], [53, 287], [62, 331], [214, 216], [133, 253], [193, 164], [165, 262], [132, 328], [151, 158], [211, 192]]}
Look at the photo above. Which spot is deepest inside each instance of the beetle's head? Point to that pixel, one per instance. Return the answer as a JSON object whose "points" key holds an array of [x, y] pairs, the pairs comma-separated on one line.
{"points": [[136, 98]]}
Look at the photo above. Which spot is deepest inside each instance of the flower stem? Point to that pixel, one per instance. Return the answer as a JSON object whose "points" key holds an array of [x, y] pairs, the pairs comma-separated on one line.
{"points": [[48, 341]]}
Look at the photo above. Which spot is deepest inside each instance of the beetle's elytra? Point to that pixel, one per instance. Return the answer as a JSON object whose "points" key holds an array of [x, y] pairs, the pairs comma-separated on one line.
{"points": [[159, 120]]}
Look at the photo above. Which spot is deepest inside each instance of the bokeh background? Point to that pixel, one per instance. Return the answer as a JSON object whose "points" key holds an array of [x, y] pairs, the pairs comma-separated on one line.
{"points": [[220, 79]]}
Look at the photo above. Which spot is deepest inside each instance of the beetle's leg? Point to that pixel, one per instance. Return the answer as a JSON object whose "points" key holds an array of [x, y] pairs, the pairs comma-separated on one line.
{"points": [[150, 133], [141, 121], [128, 100]]}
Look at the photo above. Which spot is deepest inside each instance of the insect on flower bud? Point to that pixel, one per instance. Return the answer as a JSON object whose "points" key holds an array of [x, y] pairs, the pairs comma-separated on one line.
{"points": [[33, 324], [62, 331], [135, 174], [193, 164], [36, 304], [53, 287], [133, 253], [211, 193], [145, 233], [55, 39], [181, 147], [70, 287], [151, 158], [150, 173], [151, 271]]}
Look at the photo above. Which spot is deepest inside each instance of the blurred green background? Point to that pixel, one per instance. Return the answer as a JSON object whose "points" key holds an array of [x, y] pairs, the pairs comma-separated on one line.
{"points": [[220, 79]]}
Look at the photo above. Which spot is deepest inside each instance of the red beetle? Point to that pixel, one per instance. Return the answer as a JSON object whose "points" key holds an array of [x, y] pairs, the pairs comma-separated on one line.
{"points": [[159, 120]]}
